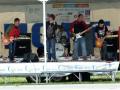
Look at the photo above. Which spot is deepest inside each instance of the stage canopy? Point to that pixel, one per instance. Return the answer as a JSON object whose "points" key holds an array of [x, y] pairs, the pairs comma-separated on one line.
{"points": [[23, 2]]}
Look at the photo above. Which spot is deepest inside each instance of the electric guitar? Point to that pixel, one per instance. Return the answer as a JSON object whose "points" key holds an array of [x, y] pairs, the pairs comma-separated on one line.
{"points": [[99, 42], [7, 40], [79, 35]]}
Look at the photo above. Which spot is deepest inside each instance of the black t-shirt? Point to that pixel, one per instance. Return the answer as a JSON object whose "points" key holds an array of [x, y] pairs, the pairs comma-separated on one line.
{"points": [[51, 28], [101, 32]]}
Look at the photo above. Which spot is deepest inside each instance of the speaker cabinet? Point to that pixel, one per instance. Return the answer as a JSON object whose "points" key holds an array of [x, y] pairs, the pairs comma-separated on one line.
{"points": [[22, 47]]}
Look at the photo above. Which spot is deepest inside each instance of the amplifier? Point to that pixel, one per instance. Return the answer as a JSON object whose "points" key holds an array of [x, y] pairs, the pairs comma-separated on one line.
{"points": [[112, 44], [22, 47], [111, 48]]}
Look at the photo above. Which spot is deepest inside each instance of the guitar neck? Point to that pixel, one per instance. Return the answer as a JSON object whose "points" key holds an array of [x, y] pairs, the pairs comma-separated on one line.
{"points": [[86, 30]]}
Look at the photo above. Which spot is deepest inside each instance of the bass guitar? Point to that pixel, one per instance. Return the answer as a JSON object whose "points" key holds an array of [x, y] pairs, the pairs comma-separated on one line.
{"points": [[79, 35]]}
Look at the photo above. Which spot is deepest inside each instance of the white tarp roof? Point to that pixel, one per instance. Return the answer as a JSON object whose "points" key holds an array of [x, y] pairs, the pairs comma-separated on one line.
{"points": [[5, 2]]}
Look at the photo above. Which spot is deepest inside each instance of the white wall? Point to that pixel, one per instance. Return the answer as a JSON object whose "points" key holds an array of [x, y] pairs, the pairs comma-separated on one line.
{"points": [[106, 11], [33, 13]]}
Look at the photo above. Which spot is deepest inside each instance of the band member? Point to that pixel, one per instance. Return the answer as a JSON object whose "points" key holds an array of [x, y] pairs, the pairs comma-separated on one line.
{"points": [[62, 37], [101, 31], [77, 27], [12, 32], [51, 27]]}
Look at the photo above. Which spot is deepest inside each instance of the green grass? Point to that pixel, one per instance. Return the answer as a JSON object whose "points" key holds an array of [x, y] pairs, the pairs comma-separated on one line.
{"points": [[12, 80], [94, 79], [104, 79]]}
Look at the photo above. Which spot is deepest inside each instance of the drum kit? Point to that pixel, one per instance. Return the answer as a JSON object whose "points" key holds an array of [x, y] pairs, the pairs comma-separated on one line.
{"points": [[59, 50], [61, 42]]}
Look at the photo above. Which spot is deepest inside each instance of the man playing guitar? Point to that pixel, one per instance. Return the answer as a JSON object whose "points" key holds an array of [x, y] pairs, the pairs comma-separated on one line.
{"points": [[9, 37], [78, 28], [100, 33]]}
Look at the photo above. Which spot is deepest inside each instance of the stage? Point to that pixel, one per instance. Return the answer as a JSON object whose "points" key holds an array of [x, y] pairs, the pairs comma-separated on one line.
{"points": [[58, 69], [59, 59], [63, 87]]}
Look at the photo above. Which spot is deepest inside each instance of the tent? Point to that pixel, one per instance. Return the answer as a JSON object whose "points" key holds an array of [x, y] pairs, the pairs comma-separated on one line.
{"points": [[22, 2]]}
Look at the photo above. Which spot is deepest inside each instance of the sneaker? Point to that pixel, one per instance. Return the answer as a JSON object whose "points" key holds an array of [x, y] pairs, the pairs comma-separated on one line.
{"points": [[48, 60], [75, 59], [85, 58], [80, 59], [54, 60]]}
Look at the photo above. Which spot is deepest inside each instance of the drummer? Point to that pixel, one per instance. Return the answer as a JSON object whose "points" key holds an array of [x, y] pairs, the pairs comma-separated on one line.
{"points": [[62, 38]]}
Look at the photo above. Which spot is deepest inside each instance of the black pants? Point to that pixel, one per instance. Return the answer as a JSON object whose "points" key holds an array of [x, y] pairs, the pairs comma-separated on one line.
{"points": [[103, 51]]}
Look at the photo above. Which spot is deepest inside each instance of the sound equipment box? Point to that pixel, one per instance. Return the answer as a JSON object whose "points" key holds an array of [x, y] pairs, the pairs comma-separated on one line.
{"points": [[112, 45], [22, 47]]}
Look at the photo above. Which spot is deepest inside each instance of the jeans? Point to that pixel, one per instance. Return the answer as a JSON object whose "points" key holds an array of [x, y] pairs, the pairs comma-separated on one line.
{"points": [[79, 43], [12, 50], [51, 49]]}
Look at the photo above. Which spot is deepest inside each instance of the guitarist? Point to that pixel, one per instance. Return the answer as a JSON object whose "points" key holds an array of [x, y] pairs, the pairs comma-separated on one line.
{"points": [[12, 32], [77, 27], [101, 31]]}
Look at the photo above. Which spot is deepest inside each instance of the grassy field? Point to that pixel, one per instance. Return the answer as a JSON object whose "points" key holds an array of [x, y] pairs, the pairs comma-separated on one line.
{"points": [[94, 79]]}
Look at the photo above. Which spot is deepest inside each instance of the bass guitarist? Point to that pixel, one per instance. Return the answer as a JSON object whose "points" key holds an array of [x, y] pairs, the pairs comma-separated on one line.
{"points": [[77, 27]]}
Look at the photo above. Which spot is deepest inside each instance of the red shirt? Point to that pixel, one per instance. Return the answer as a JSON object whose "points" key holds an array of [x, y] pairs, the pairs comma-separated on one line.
{"points": [[15, 32], [78, 26]]}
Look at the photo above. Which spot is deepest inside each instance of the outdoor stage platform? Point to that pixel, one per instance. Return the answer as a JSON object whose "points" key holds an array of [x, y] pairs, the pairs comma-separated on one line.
{"points": [[60, 59], [50, 69]]}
